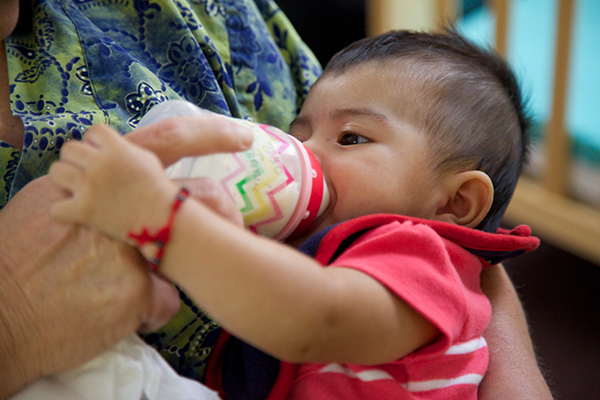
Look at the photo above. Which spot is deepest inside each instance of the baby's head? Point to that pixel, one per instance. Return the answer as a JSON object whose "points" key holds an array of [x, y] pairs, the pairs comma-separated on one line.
{"points": [[463, 101]]}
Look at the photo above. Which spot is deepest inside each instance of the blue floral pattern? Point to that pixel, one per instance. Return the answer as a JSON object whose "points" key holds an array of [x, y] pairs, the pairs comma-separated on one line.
{"points": [[188, 74], [103, 61], [139, 102]]}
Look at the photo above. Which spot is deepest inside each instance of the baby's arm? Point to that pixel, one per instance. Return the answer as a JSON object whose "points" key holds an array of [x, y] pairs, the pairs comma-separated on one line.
{"points": [[266, 293], [283, 302]]}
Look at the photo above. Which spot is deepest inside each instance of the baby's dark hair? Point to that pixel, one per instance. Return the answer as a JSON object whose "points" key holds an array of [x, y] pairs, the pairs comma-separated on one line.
{"points": [[466, 98]]}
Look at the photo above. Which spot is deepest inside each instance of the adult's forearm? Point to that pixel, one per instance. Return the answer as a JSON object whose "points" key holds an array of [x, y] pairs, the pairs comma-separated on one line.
{"points": [[513, 371]]}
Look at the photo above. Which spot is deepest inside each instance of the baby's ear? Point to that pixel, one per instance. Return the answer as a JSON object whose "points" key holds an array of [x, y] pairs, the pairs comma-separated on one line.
{"points": [[469, 198]]}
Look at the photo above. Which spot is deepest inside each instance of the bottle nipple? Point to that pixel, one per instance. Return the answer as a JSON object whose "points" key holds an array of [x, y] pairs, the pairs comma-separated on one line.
{"points": [[325, 201]]}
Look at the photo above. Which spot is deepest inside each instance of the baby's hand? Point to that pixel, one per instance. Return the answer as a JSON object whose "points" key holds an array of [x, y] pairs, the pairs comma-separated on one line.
{"points": [[116, 187]]}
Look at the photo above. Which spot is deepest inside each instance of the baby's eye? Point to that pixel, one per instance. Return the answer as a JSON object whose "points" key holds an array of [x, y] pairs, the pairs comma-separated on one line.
{"points": [[348, 139]]}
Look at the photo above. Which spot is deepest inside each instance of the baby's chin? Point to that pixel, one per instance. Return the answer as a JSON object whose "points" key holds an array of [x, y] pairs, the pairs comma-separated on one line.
{"points": [[323, 221]]}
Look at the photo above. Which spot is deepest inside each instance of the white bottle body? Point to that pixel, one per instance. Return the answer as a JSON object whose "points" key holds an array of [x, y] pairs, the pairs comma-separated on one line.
{"points": [[277, 185]]}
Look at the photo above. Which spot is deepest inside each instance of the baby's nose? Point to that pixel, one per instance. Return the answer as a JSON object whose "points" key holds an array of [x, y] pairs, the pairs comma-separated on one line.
{"points": [[311, 146]]}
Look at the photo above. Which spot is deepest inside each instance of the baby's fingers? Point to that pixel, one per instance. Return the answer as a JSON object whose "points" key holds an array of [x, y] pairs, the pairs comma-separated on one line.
{"points": [[101, 136], [70, 210], [77, 153], [66, 176], [69, 178]]}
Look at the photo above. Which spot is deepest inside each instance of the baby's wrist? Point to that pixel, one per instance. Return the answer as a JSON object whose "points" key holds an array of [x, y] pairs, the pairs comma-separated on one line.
{"points": [[152, 242]]}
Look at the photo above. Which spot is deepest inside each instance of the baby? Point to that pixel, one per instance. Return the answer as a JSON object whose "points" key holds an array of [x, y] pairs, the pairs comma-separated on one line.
{"points": [[421, 138]]}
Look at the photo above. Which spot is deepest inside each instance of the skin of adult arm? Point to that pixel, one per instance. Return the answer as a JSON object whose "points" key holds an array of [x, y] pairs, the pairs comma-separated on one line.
{"points": [[266, 293], [513, 372]]}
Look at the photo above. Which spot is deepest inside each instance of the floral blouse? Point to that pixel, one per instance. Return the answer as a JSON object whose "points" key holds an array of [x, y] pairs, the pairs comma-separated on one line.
{"points": [[84, 62]]}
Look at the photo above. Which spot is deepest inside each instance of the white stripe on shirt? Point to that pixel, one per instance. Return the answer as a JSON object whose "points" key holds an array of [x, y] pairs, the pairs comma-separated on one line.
{"points": [[467, 347], [365, 376], [411, 386], [423, 386]]}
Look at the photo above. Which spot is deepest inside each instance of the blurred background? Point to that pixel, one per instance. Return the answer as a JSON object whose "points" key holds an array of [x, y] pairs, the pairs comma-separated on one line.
{"points": [[554, 47]]}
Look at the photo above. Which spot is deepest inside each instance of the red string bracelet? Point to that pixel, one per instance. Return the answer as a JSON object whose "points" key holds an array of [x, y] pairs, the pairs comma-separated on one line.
{"points": [[161, 238]]}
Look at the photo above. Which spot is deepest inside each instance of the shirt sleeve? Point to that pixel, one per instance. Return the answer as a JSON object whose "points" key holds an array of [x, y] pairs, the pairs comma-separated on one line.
{"points": [[413, 262]]}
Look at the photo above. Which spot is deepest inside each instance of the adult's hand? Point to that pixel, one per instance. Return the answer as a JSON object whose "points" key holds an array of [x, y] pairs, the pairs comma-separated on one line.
{"points": [[513, 372], [66, 293], [174, 138]]}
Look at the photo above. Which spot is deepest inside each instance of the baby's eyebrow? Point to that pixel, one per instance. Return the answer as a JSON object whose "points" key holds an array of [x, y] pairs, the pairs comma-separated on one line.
{"points": [[303, 120], [360, 112]]}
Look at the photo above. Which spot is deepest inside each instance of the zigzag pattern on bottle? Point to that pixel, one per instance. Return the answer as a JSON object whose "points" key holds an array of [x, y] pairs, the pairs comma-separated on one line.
{"points": [[263, 208]]}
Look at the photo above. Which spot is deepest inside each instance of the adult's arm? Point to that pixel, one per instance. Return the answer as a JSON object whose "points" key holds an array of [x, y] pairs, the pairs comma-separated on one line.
{"points": [[513, 371]]}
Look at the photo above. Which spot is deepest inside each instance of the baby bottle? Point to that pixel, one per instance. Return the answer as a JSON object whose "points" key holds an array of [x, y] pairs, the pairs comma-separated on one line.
{"points": [[277, 184]]}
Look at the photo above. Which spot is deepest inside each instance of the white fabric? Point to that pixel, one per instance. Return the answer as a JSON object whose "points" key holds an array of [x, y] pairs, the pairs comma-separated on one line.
{"points": [[129, 371]]}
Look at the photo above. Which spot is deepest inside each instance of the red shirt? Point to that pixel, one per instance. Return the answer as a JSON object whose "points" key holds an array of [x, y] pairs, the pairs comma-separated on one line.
{"points": [[435, 268]]}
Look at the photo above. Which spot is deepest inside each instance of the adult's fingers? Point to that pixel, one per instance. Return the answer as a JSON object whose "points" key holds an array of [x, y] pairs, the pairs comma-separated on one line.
{"points": [[212, 195], [164, 304], [174, 138]]}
